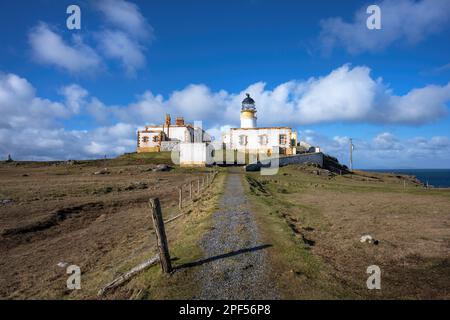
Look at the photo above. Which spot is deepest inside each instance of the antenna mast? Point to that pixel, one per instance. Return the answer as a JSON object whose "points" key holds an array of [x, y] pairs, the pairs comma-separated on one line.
{"points": [[351, 154]]}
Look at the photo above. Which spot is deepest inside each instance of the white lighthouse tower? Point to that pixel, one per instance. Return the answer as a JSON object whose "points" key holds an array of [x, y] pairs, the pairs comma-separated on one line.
{"points": [[248, 113]]}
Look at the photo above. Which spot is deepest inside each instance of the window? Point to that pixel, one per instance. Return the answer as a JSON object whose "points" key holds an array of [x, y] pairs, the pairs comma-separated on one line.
{"points": [[145, 139], [243, 140], [283, 139], [155, 139], [263, 139]]}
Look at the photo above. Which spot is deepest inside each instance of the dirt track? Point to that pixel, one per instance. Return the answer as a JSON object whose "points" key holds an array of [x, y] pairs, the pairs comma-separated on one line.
{"points": [[235, 265]]}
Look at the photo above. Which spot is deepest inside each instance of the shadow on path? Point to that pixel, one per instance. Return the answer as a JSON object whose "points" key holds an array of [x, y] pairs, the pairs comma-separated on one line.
{"points": [[222, 256]]}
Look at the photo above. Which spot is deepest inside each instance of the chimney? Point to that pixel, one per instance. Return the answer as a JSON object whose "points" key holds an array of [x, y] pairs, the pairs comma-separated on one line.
{"points": [[167, 119], [179, 121]]}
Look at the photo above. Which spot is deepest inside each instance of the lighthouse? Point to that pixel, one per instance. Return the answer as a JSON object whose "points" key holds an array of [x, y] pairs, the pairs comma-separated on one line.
{"points": [[248, 113]]}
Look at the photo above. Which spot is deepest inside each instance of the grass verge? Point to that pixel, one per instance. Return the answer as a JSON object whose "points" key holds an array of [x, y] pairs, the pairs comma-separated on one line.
{"points": [[298, 273], [183, 235]]}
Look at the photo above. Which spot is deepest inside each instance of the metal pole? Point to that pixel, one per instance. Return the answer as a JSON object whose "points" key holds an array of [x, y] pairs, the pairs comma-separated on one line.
{"points": [[351, 154]]}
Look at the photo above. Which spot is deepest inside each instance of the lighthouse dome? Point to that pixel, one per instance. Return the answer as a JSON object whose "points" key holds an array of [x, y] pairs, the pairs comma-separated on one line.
{"points": [[248, 103]]}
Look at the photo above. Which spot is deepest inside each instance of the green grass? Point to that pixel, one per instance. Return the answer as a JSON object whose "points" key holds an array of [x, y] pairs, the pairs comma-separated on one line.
{"points": [[143, 158], [298, 273], [183, 237], [291, 180], [125, 159], [286, 222]]}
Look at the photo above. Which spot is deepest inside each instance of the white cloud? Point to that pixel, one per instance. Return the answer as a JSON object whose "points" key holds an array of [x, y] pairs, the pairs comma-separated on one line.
{"points": [[98, 110], [386, 141], [404, 21], [126, 16], [385, 150], [217, 132], [49, 48], [345, 95], [118, 45], [127, 34], [124, 38], [75, 97], [31, 126], [112, 140], [20, 107], [58, 143], [419, 105]]}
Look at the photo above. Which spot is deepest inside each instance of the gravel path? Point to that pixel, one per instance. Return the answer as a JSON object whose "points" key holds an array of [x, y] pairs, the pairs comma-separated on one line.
{"points": [[236, 266]]}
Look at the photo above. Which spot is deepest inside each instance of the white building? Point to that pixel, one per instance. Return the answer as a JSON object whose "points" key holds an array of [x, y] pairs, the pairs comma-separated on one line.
{"points": [[251, 139], [197, 149], [165, 137]]}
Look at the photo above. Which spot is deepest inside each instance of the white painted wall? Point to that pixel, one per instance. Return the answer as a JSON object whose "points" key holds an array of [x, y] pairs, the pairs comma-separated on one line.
{"points": [[150, 142], [248, 123], [253, 140], [183, 134], [193, 154]]}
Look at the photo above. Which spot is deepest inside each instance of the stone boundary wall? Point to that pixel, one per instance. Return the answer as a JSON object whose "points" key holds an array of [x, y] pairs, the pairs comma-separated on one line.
{"points": [[316, 158], [168, 145]]}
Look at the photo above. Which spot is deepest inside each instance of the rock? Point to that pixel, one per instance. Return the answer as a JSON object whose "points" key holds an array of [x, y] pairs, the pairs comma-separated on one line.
{"points": [[137, 186], [62, 264], [102, 218], [104, 190], [4, 202], [161, 167], [103, 171], [25, 175], [253, 167], [329, 174], [368, 239]]}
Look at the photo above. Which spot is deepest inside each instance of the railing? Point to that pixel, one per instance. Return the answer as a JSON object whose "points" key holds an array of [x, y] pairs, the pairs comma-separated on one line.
{"points": [[163, 256]]}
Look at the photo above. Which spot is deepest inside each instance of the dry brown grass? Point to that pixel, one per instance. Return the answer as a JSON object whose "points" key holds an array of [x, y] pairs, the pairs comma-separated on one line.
{"points": [[96, 222], [316, 223], [183, 235]]}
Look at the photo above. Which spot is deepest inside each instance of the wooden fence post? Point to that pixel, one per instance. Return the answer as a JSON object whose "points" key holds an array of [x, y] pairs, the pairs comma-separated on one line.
{"points": [[160, 232], [190, 190], [198, 186], [180, 198]]}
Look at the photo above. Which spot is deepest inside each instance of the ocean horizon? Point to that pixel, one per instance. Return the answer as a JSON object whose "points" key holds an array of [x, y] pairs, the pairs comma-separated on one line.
{"points": [[438, 178]]}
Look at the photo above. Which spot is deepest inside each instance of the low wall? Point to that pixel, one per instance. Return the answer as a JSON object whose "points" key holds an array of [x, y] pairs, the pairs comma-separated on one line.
{"points": [[193, 154], [148, 149], [169, 145], [316, 158]]}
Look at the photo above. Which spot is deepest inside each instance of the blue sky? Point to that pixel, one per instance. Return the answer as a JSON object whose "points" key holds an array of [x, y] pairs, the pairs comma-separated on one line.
{"points": [[312, 65]]}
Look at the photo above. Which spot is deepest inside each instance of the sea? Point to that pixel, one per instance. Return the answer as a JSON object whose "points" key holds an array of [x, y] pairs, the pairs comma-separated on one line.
{"points": [[439, 178]]}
